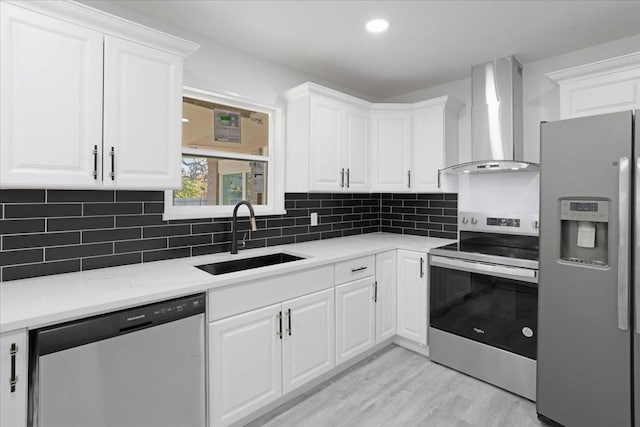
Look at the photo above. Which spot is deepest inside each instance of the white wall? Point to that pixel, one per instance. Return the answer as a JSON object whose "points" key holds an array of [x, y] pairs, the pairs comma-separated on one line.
{"points": [[541, 97], [216, 67], [501, 193]]}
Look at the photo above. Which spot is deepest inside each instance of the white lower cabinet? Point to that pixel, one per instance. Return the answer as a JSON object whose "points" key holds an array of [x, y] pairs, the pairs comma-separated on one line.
{"points": [[308, 342], [245, 364], [258, 356], [385, 295], [13, 379], [412, 296], [355, 318]]}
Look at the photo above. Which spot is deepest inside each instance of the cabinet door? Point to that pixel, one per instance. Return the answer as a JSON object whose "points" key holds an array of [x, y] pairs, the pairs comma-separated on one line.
{"points": [[308, 345], [355, 318], [325, 155], [412, 296], [391, 145], [13, 401], [245, 364], [356, 149], [51, 103], [142, 116], [386, 279], [428, 148]]}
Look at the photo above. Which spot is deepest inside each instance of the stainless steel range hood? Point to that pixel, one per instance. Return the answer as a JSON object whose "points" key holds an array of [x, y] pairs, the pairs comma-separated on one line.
{"points": [[496, 119]]}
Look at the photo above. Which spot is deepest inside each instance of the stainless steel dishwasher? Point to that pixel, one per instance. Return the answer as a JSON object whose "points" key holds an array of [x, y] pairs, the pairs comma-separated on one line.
{"points": [[139, 367]]}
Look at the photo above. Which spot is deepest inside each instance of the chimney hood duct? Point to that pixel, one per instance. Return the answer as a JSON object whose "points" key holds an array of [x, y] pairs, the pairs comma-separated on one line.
{"points": [[496, 119]]}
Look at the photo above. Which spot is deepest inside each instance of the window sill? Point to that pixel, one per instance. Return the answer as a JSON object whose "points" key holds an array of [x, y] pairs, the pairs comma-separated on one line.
{"points": [[243, 212]]}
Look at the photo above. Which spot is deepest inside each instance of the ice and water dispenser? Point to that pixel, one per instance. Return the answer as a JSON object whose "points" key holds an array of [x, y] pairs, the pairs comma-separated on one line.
{"points": [[584, 231]]}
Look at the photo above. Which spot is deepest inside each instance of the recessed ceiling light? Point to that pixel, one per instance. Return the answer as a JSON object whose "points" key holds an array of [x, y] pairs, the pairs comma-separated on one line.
{"points": [[377, 25], [185, 120]]}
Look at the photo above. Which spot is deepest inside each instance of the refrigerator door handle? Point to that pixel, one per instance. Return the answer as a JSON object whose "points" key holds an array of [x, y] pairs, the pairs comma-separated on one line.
{"points": [[637, 243], [624, 178]]}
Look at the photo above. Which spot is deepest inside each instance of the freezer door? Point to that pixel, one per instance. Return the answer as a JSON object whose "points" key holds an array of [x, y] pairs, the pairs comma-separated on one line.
{"points": [[584, 351]]}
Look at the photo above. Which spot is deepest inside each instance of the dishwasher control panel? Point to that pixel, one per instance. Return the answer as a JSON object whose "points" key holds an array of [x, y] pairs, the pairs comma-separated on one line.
{"points": [[162, 312]]}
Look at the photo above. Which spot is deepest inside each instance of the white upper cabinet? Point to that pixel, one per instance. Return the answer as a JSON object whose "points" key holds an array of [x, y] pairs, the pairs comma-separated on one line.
{"points": [[434, 141], [599, 88], [51, 103], [336, 142], [327, 144], [391, 149], [142, 116], [356, 149], [60, 63], [412, 142]]}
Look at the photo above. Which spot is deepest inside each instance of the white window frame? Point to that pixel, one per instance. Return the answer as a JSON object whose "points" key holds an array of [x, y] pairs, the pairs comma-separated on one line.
{"points": [[274, 159]]}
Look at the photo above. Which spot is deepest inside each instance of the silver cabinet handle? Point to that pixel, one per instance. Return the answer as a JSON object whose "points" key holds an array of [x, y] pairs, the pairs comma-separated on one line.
{"points": [[439, 173], [289, 321], [348, 177], [421, 267], [375, 291], [518, 273], [624, 175], [637, 239], [279, 331], [112, 153], [342, 178], [95, 161], [409, 179], [13, 379], [353, 270]]}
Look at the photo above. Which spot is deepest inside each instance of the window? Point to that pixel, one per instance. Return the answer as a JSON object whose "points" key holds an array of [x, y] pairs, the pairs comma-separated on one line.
{"points": [[232, 150]]}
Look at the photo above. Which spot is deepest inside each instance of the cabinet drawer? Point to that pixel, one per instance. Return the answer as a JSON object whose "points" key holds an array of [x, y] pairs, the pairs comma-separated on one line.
{"points": [[355, 269], [243, 297]]}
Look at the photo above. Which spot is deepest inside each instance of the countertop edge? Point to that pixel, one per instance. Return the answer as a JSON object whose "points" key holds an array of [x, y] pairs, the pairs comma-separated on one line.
{"points": [[352, 247]]}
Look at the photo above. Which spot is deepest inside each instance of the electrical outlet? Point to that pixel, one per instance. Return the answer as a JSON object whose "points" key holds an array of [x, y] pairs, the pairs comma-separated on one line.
{"points": [[314, 218]]}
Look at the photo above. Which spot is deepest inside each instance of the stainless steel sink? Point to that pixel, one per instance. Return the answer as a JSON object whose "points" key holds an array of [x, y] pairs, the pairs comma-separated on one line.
{"points": [[247, 263]]}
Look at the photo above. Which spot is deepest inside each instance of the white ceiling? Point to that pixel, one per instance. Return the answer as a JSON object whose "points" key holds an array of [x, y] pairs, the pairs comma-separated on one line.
{"points": [[428, 43]]}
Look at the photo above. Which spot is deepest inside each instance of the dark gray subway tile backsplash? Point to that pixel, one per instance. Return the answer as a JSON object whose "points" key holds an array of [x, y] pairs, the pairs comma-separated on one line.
{"points": [[432, 215], [44, 232]]}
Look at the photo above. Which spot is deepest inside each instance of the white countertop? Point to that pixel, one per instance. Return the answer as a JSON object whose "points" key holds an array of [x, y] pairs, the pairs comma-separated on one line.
{"points": [[41, 301]]}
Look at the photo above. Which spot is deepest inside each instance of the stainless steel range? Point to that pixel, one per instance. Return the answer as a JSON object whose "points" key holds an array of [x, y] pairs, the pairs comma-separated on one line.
{"points": [[484, 301]]}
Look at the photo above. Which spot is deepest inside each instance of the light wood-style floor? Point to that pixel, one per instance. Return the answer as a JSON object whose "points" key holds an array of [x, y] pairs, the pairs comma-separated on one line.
{"points": [[397, 387]]}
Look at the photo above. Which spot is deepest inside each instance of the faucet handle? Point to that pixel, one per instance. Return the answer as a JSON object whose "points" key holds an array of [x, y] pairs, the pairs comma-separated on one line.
{"points": [[243, 242]]}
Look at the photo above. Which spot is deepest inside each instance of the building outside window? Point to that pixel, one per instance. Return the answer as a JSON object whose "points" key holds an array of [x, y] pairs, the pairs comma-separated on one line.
{"points": [[232, 150]]}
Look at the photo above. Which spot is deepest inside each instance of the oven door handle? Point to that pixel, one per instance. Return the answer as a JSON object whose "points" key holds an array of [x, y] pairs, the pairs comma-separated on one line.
{"points": [[518, 273]]}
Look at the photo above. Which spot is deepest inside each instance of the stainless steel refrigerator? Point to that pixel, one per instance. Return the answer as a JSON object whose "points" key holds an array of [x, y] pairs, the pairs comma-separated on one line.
{"points": [[589, 296]]}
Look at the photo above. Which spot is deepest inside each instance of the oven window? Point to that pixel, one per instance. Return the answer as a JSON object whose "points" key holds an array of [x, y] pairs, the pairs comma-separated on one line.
{"points": [[492, 310]]}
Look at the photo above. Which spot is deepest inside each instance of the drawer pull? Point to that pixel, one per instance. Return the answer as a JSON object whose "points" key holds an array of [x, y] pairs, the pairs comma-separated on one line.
{"points": [[353, 270], [13, 380]]}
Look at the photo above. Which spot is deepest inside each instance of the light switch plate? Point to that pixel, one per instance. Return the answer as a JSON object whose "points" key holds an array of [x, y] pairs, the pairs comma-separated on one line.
{"points": [[314, 218]]}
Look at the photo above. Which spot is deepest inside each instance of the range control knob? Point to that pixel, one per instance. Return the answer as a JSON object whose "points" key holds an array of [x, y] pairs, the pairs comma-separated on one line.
{"points": [[536, 224], [474, 221], [465, 220]]}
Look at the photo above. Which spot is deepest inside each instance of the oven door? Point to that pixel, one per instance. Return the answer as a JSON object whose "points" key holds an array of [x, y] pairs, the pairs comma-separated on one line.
{"points": [[493, 304]]}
